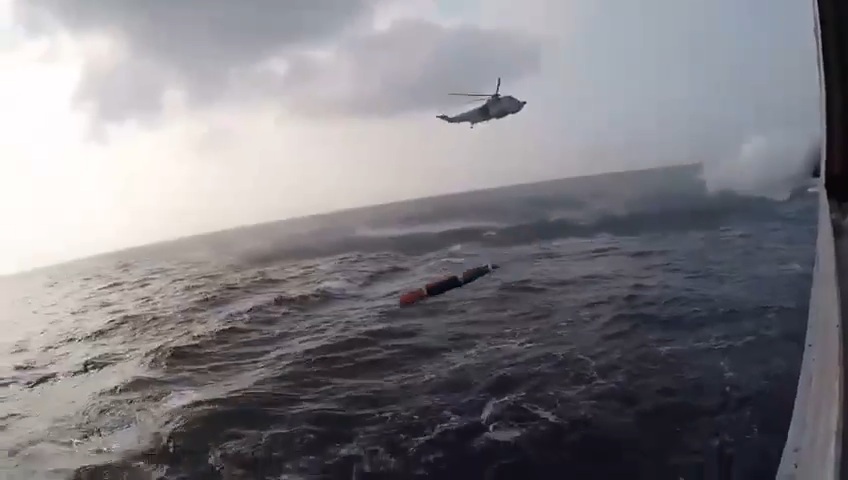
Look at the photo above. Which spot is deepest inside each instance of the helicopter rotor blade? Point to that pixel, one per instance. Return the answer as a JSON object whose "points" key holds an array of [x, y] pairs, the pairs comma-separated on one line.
{"points": [[472, 94], [498, 88]]}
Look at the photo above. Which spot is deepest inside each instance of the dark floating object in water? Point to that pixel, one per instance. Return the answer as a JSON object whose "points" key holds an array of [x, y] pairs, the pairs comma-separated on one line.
{"points": [[446, 284]]}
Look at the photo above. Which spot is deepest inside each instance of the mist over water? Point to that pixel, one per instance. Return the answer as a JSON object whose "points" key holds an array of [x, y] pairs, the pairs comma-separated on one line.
{"points": [[645, 325], [767, 165]]}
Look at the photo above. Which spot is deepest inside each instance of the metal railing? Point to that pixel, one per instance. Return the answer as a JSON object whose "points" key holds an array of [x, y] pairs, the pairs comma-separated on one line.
{"points": [[814, 445]]}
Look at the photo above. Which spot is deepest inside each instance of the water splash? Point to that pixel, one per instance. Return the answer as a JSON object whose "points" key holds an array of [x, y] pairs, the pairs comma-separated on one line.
{"points": [[771, 166]]}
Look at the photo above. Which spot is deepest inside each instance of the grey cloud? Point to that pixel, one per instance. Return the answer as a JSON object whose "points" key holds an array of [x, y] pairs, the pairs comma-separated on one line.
{"points": [[409, 67], [191, 45], [207, 48], [217, 31], [132, 88]]}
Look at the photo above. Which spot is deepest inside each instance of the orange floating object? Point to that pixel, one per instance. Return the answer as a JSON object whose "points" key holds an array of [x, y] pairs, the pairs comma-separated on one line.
{"points": [[446, 284], [409, 298]]}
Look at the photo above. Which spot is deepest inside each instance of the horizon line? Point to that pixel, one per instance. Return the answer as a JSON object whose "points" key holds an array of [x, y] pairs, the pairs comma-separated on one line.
{"points": [[5, 276]]}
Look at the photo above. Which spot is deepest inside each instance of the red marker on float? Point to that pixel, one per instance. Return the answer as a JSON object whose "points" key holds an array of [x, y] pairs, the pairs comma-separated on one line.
{"points": [[446, 284]]}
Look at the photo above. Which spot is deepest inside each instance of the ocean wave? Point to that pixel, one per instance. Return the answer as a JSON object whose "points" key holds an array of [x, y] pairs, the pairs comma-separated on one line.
{"points": [[656, 338], [707, 214]]}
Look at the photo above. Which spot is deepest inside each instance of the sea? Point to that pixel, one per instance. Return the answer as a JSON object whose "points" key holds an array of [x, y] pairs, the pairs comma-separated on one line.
{"points": [[641, 326]]}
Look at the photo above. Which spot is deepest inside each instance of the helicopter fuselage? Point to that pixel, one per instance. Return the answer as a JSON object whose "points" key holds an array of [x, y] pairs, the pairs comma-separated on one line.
{"points": [[494, 108]]}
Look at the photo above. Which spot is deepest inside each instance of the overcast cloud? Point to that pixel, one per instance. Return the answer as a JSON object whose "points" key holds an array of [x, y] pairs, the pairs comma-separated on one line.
{"points": [[212, 50], [409, 67], [226, 112]]}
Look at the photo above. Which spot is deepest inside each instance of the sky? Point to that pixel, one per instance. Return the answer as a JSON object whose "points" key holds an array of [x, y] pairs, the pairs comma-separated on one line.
{"points": [[128, 122]]}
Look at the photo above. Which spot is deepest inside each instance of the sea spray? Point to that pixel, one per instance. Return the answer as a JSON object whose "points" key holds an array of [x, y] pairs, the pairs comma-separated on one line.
{"points": [[771, 166]]}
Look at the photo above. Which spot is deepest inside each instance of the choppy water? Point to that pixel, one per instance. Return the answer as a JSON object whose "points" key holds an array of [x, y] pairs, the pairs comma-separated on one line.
{"points": [[639, 329]]}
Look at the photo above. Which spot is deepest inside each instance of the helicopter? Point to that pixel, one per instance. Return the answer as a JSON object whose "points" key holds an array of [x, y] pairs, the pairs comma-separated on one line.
{"points": [[496, 107]]}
